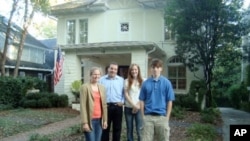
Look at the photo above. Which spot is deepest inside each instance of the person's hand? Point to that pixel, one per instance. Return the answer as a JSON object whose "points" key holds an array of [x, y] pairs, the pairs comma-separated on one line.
{"points": [[86, 127], [104, 125], [119, 104], [134, 110]]}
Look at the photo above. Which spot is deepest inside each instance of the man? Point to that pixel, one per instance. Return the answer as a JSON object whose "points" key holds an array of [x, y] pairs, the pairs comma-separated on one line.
{"points": [[115, 100], [156, 98]]}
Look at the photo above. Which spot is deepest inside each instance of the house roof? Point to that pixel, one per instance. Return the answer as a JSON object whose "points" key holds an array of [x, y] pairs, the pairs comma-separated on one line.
{"points": [[79, 6], [119, 45], [88, 6], [50, 56]]}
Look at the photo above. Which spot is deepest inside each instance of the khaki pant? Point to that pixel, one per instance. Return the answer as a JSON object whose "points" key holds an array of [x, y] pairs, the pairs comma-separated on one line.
{"points": [[155, 128]]}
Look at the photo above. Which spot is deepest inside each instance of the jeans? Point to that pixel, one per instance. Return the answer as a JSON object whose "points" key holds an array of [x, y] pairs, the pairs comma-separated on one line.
{"points": [[96, 132], [130, 118]]}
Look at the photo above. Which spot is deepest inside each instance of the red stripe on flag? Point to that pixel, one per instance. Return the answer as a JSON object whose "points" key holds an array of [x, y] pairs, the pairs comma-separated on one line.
{"points": [[59, 67]]}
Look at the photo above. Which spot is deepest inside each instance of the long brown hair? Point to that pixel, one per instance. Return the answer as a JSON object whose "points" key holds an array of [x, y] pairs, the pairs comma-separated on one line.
{"points": [[130, 77]]}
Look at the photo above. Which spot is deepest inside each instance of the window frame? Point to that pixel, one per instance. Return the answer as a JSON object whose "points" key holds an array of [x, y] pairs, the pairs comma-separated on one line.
{"points": [[71, 31], [178, 82]]}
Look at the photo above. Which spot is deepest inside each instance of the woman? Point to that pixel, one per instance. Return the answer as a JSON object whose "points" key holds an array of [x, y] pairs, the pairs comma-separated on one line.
{"points": [[93, 109], [132, 106]]}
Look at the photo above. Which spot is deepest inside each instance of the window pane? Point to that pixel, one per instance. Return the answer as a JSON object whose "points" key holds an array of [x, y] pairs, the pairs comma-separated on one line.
{"points": [[173, 81], [26, 54], [83, 31], [71, 31], [182, 84], [182, 72], [172, 71]]}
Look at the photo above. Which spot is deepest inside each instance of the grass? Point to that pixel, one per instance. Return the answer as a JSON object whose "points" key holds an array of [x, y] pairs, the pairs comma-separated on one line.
{"points": [[21, 120]]}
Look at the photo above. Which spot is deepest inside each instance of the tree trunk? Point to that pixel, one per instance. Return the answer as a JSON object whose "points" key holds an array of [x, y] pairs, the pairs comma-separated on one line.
{"points": [[20, 51], [27, 22], [7, 38], [208, 76]]}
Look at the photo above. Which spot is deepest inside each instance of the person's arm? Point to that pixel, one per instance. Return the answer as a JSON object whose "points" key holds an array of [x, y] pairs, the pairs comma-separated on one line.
{"points": [[83, 108], [142, 108], [169, 109]]}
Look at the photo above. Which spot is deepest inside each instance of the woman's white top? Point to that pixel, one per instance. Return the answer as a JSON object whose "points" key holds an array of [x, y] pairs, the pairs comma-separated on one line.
{"points": [[134, 93]]}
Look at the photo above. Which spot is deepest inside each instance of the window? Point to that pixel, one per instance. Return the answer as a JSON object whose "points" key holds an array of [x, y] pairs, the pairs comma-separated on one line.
{"points": [[83, 35], [124, 27], [40, 76], [22, 73], [177, 73], [71, 31], [168, 34]]}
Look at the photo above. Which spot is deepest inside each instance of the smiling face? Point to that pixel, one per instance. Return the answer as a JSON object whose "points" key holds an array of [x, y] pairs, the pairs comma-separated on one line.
{"points": [[95, 75], [134, 71], [112, 70]]}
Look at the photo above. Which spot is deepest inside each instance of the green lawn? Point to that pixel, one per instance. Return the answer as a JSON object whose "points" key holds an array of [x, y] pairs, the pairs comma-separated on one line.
{"points": [[21, 120]]}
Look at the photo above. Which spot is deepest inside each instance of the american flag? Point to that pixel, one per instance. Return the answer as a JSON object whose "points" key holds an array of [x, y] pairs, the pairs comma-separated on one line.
{"points": [[59, 66]]}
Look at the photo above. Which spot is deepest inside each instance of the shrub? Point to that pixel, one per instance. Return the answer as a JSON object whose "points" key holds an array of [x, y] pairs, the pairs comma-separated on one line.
{"points": [[44, 100], [63, 100], [29, 103], [201, 132], [43, 103], [209, 115], [11, 91], [37, 137], [178, 112], [75, 88]]}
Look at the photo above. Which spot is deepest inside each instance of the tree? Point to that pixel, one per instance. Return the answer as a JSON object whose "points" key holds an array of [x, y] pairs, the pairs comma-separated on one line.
{"points": [[7, 37], [31, 6], [202, 28]]}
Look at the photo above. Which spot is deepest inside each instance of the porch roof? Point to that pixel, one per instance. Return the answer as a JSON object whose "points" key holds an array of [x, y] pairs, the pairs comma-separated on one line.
{"points": [[150, 47]]}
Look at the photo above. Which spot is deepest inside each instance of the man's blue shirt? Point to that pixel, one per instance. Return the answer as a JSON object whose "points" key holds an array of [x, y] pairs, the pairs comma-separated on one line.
{"points": [[156, 94], [114, 88]]}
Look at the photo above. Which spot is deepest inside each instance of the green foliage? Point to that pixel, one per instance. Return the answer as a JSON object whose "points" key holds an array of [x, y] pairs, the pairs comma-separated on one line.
{"points": [[43, 103], [201, 132], [226, 72], [187, 102], [63, 100], [29, 103], [37, 137], [209, 115], [44, 100], [178, 112], [248, 75], [75, 88], [245, 106], [22, 120], [211, 26], [237, 95], [11, 91]]}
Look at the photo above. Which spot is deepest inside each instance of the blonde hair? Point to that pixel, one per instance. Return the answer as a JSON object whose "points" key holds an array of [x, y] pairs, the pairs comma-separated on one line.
{"points": [[93, 69]]}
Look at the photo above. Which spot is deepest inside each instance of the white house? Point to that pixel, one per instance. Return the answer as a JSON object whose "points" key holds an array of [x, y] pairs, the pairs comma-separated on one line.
{"points": [[96, 32]]}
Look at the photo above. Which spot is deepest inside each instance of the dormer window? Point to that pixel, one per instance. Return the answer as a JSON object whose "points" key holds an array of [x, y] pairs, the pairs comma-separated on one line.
{"points": [[124, 27]]}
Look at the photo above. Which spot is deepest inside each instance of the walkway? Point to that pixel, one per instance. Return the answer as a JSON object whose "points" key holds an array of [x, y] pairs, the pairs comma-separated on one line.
{"points": [[232, 116]]}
